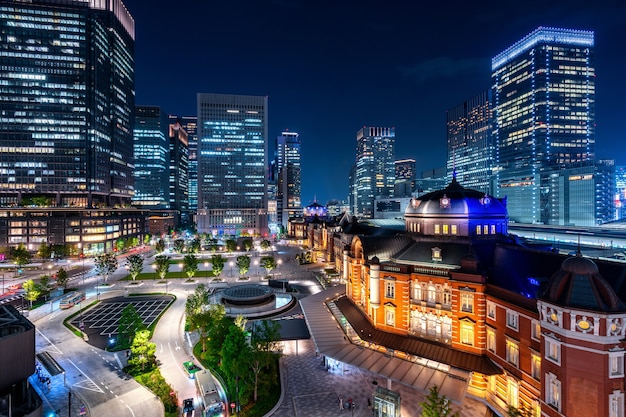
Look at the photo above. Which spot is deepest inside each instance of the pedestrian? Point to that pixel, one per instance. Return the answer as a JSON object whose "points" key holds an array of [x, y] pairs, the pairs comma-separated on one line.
{"points": [[340, 403], [369, 403]]}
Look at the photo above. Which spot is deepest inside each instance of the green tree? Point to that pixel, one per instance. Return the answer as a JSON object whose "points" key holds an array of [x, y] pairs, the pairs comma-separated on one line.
{"points": [[60, 251], [436, 405], [235, 353], [231, 245], [121, 244], [190, 266], [159, 247], [129, 324], [146, 238], [247, 244], [142, 351], [162, 263], [265, 335], [106, 264], [62, 278], [32, 291], [179, 245], [135, 265], [21, 256], [268, 262], [194, 246], [44, 251], [44, 283], [265, 244], [198, 301], [243, 264], [217, 264]]}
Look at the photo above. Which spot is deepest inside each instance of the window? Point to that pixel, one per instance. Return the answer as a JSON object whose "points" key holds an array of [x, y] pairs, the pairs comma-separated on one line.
{"points": [[553, 391], [467, 301], [512, 318], [454, 229], [512, 352], [553, 351], [486, 230], [616, 404], [616, 365], [417, 291], [535, 329], [513, 393], [436, 254], [447, 297], [478, 229], [467, 333], [431, 294], [437, 229], [535, 365], [446, 229], [491, 310], [390, 317], [491, 340], [390, 289], [493, 229]]}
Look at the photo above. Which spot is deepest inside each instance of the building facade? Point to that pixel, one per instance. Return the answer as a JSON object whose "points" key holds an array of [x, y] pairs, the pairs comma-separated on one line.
{"points": [[179, 171], [152, 158], [374, 169], [544, 109], [289, 187], [405, 178], [471, 153], [67, 112], [190, 125], [232, 164]]}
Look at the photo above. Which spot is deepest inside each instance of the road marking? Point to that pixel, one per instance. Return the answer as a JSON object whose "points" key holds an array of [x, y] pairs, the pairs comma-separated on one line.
{"points": [[89, 385], [131, 410], [176, 342], [49, 342]]}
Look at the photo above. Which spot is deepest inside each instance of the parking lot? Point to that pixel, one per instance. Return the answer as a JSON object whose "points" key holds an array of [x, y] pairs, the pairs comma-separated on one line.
{"points": [[100, 322]]}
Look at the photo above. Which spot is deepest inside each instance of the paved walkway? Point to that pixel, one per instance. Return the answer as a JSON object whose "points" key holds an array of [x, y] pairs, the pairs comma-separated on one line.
{"points": [[311, 391]]}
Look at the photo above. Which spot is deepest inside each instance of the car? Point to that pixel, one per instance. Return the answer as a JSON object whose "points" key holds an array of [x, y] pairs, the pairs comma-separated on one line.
{"points": [[188, 407], [191, 368]]}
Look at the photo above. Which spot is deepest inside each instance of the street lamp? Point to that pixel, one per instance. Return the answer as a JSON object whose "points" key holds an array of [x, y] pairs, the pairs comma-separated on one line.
{"points": [[154, 266], [232, 272]]}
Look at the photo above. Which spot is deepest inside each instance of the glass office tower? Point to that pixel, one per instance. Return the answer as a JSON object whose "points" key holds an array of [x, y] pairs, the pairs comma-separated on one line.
{"points": [[66, 114], [544, 104], [375, 170], [289, 190], [232, 163]]}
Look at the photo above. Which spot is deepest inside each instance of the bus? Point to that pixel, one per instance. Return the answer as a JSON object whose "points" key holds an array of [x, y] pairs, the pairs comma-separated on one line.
{"points": [[212, 404], [71, 299]]}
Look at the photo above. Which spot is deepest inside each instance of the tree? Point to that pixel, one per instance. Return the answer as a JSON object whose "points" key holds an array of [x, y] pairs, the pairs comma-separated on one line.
{"points": [[243, 264], [121, 244], [21, 256], [211, 243], [106, 264], [231, 245], [32, 291], [146, 238], [247, 244], [217, 264], [159, 247], [135, 265], [235, 353], [44, 282], [62, 278], [162, 263], [44, 251], [265, 335], [142, 351], [268, 262], [524, 411], [179, 245], [190, 265], [194, 246], [265, 244], [436, 405], [129, 324]]}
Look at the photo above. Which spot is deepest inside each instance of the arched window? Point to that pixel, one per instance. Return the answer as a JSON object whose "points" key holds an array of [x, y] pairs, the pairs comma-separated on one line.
{"points": [[432, 294], [417, 291]]}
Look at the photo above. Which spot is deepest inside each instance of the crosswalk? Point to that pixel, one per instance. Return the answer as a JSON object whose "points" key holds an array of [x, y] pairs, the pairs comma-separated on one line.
{"points": [[14, 299]]}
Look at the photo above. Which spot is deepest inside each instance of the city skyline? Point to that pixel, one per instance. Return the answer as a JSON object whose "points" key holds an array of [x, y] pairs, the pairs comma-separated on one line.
{"points": [[330, 69]]}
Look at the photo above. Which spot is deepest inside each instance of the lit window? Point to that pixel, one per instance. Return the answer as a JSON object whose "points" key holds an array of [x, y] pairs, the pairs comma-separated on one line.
{"points": [[437, 229], [467, 301], [553, 351], [467, 333], [436, 254], [432, 294], [512, 352], [478, 229], [535, 330], [491, 340], [447, 297], [535, 363], [491, 310], [417, 291], [553, 391], [512, 319], [493, 229], [390, 317], [616, 404], [616, 365], [513, 393], [486, 229], [454, 229], [446, 229], [390, 289]]}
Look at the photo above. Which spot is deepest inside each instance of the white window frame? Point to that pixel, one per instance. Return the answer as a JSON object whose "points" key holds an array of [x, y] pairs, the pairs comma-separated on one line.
{"points": [[446, 299], [513, 392], [390, 289], [491, 340], [512, 319], [491, 310], [535, 365], [431, 293], [616, 404], [390, 317], [467, 301], [553, 391], [616, 365], [467, 333], [417, 291], [553, 350], [535, 330], [512, 352]]}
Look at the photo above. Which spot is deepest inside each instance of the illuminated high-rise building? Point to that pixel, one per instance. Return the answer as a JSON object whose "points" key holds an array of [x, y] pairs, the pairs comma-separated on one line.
{"points": [[66, 122], [471, 154], [288, 191], [374, 170], [544, 108], [405, 178], [179, 167], [232, 164], [152, 158], [190, 125]]}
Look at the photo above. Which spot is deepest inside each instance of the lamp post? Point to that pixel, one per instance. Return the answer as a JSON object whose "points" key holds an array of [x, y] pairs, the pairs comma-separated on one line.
{"points": [[232, 272]]}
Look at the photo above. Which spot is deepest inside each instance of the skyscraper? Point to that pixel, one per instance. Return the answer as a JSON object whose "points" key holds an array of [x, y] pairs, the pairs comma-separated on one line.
{"points": [[544, 104], [179, 167], [190, 125], [232, 163], [66, 119], [405, 178], [288, 194], [374, 173], [152, 158], [471, 154]]}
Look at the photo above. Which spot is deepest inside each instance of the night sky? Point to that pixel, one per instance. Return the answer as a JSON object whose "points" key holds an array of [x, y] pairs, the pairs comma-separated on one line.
{"points": [[331, 67]]}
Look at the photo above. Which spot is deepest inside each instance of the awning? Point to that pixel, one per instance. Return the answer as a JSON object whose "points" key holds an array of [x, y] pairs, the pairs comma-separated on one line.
{"points": [[50, 364]]}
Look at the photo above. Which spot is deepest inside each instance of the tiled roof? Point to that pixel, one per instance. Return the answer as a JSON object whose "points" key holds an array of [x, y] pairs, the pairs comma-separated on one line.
{"points": [[384, 246]]}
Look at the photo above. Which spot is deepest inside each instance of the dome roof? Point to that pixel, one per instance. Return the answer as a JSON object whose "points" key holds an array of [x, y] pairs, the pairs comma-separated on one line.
{"points": [[456, 200], [578, 284]]}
